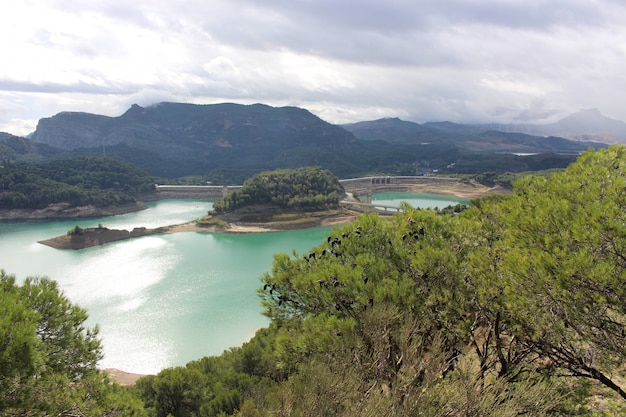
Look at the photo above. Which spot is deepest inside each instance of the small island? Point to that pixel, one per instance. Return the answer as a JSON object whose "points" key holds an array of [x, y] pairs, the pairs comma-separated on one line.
{"points": [[282, 199], [80, 238]]}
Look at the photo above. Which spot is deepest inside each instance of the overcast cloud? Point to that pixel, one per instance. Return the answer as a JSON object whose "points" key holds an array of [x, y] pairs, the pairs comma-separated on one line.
{"points": [[344, 60]]}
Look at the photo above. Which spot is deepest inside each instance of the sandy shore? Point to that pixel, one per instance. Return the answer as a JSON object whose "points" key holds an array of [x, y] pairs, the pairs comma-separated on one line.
{"points": [[243, 227], [122, 377]]}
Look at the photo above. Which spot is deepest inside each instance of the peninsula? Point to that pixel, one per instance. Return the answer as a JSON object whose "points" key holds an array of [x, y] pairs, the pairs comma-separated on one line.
{"points": [[259, 215]]}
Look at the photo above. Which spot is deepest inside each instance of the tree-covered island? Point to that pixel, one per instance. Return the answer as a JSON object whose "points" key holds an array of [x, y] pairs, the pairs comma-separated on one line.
{"points": [[301, 189], [271, 200]]}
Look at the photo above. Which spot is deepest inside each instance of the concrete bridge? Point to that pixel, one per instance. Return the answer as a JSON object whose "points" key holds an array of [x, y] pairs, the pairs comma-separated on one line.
{"points": [[369, 185]]}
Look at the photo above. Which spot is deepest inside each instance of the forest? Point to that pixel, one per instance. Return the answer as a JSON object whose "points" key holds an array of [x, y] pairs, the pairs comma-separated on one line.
{"points": [[78, 181], [514, 307], [308, 188]]}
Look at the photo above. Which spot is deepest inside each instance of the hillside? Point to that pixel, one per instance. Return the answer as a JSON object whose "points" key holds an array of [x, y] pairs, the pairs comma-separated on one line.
{"points": [[229, 143], [585, 125], [173, 139], [474, 139], [80, 187], [305, 189], [14, 148]]}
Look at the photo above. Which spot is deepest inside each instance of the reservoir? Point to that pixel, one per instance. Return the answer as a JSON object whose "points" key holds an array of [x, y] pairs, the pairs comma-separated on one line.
{"points": [[422, 200], [162, 300]]}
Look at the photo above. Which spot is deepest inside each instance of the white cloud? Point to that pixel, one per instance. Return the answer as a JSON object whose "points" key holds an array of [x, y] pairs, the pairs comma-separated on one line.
{"points": [[459, 60]]}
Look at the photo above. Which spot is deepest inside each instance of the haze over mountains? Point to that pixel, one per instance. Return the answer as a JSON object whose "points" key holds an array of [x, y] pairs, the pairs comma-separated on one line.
{"points": [[232, 141]]}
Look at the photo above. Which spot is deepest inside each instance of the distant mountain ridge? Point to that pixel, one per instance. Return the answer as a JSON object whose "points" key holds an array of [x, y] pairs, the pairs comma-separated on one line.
{"points": [[584, 125], [221, 125], [228, 143], [469, 138], [184, 138], [587, 124]]}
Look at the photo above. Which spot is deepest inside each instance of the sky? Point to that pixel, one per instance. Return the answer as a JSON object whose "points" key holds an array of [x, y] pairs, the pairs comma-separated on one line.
{"points": [[523, 61]]}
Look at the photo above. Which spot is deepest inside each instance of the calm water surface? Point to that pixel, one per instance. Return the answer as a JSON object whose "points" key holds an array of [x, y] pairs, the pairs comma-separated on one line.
{"points": [[163, 300], [421, 200], [159, 300]]}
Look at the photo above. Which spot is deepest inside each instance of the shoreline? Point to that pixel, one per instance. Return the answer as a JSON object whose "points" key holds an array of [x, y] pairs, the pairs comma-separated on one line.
{"points": [[101, 235], [129, 378], [255, 220], [60, 211]]}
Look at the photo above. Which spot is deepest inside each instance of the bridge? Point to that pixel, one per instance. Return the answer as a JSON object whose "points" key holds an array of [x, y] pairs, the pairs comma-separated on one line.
{"points": [[356, 186], [371, 185]]}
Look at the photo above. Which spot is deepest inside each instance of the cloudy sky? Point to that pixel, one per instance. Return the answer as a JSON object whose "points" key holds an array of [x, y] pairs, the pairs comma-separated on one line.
{"points": [[344, 60]]}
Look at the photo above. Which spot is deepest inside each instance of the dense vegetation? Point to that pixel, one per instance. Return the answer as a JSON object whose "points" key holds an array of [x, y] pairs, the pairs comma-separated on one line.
{"points": [[310, 188], [48, 358], [80, 181], [514, 307]]}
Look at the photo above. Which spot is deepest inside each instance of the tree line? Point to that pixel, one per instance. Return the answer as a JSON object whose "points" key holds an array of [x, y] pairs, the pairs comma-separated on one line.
{"points": [[80, 181], [515, 306]]}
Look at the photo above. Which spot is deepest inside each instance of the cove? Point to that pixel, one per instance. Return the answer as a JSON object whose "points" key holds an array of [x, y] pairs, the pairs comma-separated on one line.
{"points": [[162, 300]]}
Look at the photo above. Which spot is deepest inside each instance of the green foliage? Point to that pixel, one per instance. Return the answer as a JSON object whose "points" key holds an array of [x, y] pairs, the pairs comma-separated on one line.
{"points": [[513, 296], [514, 306], [380, 320], [48, 358], [310, 188], [215, 386], [78, 182], [556, 250]]}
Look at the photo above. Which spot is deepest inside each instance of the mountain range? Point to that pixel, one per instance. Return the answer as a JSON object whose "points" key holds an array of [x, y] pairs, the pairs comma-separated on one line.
{"points": [[588, 124], [230, 142]]}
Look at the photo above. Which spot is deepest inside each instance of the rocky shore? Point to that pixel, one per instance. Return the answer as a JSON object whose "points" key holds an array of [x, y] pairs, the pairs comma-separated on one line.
{"points": [[257, 219], [65, 211], [80, 238]]}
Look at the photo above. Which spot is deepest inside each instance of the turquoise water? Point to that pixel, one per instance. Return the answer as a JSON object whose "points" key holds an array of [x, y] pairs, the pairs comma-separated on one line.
{"points": [[418, 200], [161, 300]]}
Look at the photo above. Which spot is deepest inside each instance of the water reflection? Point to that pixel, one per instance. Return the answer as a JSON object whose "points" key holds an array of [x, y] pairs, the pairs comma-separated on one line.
{"points": [[159, 300]]}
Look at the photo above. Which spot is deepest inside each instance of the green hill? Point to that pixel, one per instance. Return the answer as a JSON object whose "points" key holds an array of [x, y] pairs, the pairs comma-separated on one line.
{"points": [[76, 182], [306, 189]]}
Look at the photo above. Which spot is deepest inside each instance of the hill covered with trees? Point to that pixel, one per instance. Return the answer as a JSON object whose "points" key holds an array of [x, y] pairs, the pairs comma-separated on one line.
{"points": [[76, 182], [305, 189], [513, 307]]}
